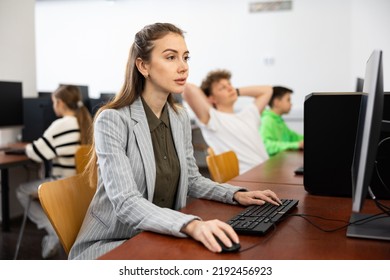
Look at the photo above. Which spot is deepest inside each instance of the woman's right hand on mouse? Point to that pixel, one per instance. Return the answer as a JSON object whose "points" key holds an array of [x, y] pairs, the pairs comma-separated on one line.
{"points": [[204, 232]]}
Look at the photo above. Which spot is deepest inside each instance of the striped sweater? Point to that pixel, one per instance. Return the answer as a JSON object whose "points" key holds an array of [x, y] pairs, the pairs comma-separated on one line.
{"points": [[59, 144]]}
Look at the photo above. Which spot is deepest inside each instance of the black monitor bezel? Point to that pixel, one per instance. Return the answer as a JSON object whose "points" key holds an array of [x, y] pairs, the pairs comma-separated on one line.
{"points": [[11, 104], [362, 224], [369, 128]]}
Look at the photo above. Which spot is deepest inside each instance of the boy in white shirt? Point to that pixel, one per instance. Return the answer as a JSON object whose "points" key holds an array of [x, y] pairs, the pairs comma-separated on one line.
{"points": [[224, 129]]}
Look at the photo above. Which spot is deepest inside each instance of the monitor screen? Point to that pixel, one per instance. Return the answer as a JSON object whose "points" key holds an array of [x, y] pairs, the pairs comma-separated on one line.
{"points": [[11, 104], [359, 84], [107, 96], [367, 138], [38, 116], [84, 94], [46, 94]]}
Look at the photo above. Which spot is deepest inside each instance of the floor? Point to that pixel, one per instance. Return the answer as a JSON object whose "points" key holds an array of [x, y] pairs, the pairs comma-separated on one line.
{"points": [[30, 248]]}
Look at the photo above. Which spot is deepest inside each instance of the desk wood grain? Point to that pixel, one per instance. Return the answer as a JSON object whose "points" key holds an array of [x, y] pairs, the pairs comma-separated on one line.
{"points": [[279, 169]]}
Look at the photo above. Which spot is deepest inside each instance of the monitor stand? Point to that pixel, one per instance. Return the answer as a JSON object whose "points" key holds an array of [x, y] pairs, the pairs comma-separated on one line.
{"points": [[377, 228]]}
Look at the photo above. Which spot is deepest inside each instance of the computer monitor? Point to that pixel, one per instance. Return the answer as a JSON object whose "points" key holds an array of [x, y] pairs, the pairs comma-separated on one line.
{"points": [[84, 94], [359, 84], [11, 104], [95, 104], [46, 94], [38, 116], [363, 164], [107, 96]]}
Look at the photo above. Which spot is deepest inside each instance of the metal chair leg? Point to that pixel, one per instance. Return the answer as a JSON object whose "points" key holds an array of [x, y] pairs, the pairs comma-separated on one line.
{"points": [[30, 198]]}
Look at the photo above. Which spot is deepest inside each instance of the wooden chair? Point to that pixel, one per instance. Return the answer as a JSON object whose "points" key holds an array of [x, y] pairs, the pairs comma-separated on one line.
{"points": [[222, 167], [65, 203], [81, 160], [82, 157]]}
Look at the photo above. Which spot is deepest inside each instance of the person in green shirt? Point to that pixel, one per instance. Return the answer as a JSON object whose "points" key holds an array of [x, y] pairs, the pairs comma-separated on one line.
{"points": [[276, 135]]}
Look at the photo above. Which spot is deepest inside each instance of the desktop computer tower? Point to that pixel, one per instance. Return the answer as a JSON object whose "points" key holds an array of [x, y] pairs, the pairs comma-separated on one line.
{"points": [[330, 126]]}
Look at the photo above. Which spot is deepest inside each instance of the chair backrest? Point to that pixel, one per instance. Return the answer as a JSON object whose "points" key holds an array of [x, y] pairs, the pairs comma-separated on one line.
{"points": [[65, 203], [82, 157], [222, 167]]}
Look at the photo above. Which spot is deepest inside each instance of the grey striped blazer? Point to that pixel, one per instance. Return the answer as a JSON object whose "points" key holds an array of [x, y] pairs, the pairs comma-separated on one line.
{"points": [[122, 205]]}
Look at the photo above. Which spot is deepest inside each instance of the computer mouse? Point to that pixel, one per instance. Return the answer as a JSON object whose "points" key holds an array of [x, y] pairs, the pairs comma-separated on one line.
{"points": [[234, 248]]}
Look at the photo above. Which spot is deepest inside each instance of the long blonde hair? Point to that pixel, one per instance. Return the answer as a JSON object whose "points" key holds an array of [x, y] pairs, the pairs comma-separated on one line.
{"points": [[134, 82]]}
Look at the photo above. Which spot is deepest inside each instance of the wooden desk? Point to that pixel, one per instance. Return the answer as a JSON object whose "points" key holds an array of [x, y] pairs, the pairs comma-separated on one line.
{"points": [[6, 162], [279, 169], [293, 239]]}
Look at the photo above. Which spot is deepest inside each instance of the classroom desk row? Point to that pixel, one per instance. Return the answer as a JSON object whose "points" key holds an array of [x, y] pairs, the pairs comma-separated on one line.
{"points": [[279, 169], [292, 239]]}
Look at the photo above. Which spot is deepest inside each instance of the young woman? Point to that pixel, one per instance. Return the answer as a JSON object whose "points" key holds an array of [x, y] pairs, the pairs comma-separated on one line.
{"points": [[144, 156], [59, 144]]}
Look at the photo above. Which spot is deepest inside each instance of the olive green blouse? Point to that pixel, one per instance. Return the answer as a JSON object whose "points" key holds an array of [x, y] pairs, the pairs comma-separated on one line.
{"points": [[167, 162]]}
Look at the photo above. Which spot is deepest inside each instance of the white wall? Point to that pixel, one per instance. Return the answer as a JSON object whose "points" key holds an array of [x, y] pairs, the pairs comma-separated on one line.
{"points": [[318, 46], [17, 51], [370, 23], [17, 43]]}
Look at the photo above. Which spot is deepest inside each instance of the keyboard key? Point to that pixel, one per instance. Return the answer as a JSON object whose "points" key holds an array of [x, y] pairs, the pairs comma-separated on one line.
{"points": [[258, 219]]}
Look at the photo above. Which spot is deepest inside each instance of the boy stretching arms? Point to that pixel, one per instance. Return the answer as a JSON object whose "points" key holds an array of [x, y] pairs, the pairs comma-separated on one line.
{"points": [[222, 127]]}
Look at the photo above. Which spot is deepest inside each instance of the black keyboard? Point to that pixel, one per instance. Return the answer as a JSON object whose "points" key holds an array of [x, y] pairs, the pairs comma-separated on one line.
{"points": [[258, 219]]}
